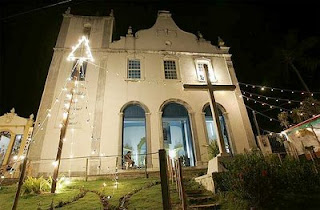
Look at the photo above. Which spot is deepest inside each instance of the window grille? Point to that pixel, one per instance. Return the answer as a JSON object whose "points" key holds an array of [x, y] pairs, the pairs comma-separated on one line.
{"points": [[134, 69], [170, 69]]}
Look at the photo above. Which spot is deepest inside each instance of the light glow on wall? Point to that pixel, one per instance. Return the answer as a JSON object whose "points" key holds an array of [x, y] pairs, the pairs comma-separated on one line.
{"points": [[201, 71]]}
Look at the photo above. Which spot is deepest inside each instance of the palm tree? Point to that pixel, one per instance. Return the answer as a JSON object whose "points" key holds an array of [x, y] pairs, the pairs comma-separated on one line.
{"points": [[297, 53]]}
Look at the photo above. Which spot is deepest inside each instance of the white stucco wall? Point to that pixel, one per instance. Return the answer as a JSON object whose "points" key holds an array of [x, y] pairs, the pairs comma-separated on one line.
{"points": [[109, 90]]}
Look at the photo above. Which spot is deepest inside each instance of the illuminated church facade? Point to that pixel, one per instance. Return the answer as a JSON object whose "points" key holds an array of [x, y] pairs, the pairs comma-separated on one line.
{"points": [[131, 98]]}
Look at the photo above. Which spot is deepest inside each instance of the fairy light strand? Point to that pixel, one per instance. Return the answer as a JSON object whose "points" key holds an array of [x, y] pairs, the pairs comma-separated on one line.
{"points": [[266, 104], [271, 98], [266, 116], [263, 88]]}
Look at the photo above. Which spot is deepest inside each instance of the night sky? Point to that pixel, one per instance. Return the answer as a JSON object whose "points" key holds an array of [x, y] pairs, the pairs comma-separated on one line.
{"points": [[255, 31]]}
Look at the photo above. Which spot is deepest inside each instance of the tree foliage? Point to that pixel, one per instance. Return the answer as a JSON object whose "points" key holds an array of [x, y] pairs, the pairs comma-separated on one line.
{"points": [[308, 108]]}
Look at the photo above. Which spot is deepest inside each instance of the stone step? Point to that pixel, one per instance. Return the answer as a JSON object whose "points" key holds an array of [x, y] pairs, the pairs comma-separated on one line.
{"points": [[211, 206], [194, 192], [196, 195], [200, 199]]}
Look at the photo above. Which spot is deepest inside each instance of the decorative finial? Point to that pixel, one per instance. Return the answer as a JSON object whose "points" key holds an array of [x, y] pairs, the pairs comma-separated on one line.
{"points": [[68, 11], [200, 35], [31, 117], [111, 13], [220, 42], [12, 110], [130, 31]]}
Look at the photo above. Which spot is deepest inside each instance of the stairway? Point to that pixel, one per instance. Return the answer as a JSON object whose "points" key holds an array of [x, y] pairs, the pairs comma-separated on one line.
{"points": [[198, 197]]}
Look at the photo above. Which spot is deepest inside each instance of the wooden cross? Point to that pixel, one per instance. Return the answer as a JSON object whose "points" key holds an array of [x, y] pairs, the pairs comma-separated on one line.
{"points": [[213, 105]]}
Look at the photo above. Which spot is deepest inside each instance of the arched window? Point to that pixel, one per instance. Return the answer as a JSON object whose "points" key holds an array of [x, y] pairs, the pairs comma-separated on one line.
{"points": [[211, 128], [4, 144], [134, 134], [177, 133]]}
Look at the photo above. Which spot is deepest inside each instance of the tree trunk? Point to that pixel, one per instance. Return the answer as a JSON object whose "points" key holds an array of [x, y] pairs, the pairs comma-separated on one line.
{"points": [[299, 76]]}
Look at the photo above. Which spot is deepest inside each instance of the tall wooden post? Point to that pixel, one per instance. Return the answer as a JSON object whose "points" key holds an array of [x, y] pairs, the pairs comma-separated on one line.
{"points": [[146, 166], [24, 164], [63, 130], [214, 110], [164, 180], [256, 123], [183, 193], [87, 166]]}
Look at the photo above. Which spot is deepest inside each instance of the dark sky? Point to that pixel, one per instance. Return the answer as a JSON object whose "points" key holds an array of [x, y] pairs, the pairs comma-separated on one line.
{"points": [[254, 30]]}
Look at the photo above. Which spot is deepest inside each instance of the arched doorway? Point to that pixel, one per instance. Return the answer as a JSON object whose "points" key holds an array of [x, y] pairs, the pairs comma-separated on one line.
{"points": [[134, 134], [177, 136], [211, 128]]}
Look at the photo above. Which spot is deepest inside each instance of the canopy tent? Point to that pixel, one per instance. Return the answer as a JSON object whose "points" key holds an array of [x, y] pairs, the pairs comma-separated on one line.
{"points": [[304, 137]]}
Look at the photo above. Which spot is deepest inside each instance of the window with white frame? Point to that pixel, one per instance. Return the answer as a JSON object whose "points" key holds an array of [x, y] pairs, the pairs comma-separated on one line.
{"points": [[170, 69], [134, 69], [201, 71]]}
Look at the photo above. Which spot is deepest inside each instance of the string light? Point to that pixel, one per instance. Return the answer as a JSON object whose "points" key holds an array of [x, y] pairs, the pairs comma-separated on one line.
{"points": [[266, 116], [55, 163], [268, 97], [265, 104], [83, 41], [277, 89]]}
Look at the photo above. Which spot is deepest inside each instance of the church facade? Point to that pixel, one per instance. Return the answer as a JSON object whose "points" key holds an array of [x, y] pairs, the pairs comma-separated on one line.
{"points": [[131, 98]]}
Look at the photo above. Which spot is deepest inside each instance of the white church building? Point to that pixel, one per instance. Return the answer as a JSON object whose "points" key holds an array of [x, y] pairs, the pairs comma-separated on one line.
{"points": [[131, 97]]}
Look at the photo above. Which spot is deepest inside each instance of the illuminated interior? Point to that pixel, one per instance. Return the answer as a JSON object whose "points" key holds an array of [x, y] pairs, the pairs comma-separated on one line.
{"points": [[177, 133], [211, 128]]}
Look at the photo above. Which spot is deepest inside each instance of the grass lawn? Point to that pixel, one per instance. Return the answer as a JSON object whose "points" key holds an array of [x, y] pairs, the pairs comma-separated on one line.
{"points": [[151, 199], [145, 199]]}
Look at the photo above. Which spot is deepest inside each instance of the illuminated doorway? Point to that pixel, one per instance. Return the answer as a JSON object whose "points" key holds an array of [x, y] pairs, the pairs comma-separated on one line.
{"points": [[134, 134], [177, 136]]}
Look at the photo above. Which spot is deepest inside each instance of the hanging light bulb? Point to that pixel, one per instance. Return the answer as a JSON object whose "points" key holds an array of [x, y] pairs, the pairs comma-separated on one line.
{"points": [[55, 163], [65, 115]]}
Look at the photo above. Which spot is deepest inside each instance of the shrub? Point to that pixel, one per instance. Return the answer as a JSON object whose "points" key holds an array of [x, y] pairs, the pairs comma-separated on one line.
{"points": [[35, 185], [263, 181], [213, 149]]}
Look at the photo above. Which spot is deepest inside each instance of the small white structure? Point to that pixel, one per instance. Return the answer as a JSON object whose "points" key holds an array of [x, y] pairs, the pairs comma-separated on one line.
{"points": [[15, 136], [131, 98], [303, 138], [264, 144]]}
